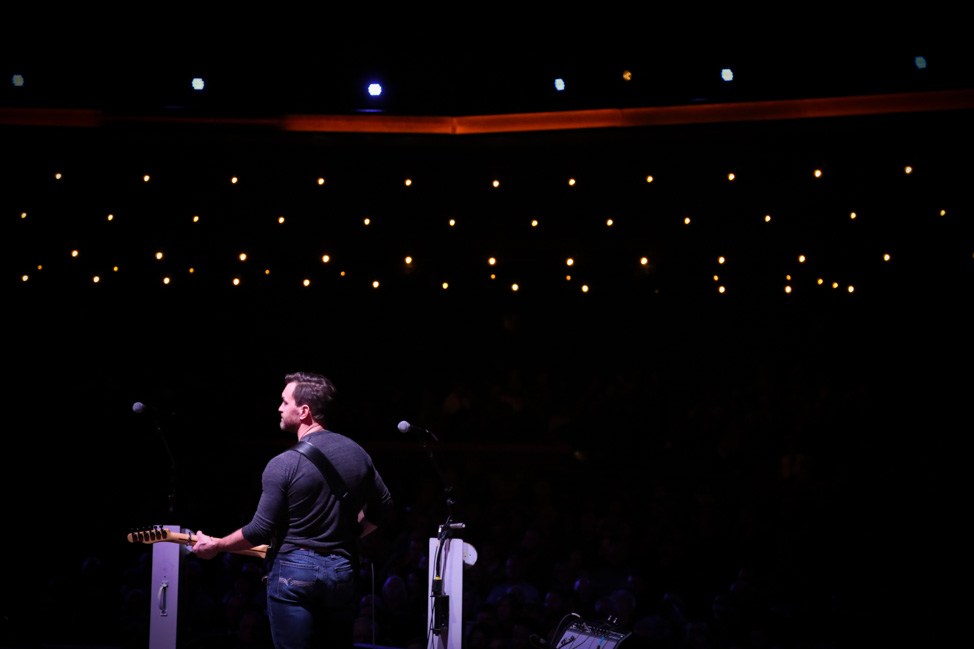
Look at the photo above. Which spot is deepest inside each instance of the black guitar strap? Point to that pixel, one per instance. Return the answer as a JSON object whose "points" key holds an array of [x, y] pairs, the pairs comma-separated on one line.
{"points": [[331, 475]]}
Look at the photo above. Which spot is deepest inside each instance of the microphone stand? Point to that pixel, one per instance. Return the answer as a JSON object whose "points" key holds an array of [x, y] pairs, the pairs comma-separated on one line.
{"points": [[441, 601], [172, 467], [140, 409], [172, 472]]}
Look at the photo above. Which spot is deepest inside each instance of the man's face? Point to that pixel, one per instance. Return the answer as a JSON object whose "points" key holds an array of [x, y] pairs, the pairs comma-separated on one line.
{"points": [[290, 411]]}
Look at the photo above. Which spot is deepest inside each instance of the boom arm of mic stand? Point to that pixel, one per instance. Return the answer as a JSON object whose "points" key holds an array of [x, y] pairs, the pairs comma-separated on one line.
{"points": [[447, 489], [172, 469]]}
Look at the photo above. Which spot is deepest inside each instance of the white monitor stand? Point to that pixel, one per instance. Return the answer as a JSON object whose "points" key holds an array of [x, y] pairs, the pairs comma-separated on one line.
{"points": [[444, 615], [164, 594]]}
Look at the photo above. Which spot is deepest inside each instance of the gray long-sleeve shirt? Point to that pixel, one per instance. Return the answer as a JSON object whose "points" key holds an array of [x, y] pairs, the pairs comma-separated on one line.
{"points": [[297, 506]]}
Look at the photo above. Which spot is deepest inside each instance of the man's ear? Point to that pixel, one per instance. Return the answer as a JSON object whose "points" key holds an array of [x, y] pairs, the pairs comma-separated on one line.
{"points": [[305, 411]]}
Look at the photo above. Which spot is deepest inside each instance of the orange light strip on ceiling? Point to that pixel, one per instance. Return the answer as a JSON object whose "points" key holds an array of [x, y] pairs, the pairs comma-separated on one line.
{"points": [[521, 122]]}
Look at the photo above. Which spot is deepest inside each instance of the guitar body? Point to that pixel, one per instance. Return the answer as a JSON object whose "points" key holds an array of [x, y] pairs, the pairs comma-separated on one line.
{"points": [[159, 534]]}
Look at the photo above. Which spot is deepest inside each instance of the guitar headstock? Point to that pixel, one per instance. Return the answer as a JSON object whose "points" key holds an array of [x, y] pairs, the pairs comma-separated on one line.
{"points": [[152, 534]]}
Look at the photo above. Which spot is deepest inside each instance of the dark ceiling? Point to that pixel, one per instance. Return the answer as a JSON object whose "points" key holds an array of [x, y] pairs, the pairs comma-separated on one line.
{"points": [[297, 63]]}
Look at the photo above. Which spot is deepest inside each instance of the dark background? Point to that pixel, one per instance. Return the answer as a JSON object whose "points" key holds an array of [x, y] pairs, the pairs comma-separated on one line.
{"points": [[652, 381]]}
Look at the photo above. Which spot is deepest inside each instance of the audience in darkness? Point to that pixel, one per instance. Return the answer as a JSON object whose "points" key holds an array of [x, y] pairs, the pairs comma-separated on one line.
{"points": [[709, 528]]}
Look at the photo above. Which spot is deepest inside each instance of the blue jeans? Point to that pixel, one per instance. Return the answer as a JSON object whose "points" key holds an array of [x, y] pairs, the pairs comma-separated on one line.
{"points": [[311, 600]]}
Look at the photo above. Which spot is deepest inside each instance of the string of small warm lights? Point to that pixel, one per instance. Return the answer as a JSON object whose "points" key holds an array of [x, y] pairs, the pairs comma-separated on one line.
{"points": [[104, 263]]}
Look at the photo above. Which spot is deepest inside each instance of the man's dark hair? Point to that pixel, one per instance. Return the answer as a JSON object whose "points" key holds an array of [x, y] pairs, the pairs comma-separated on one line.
{"points": [[313, 390]]}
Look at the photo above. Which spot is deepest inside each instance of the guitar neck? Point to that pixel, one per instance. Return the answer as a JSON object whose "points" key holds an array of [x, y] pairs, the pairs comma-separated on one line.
{"points": [[163, 535]]}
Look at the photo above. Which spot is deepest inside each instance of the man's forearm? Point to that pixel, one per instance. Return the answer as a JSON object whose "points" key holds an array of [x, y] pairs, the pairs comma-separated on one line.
{"points": [[207, 547]]}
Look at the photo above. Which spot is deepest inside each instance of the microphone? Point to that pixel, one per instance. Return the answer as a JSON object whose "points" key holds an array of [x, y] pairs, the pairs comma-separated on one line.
{"points": [[140, 408], [406, 427], [455, 526]]}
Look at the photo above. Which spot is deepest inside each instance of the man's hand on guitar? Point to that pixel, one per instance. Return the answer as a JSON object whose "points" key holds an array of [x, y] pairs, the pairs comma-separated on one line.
{"points": [[205, 547]]}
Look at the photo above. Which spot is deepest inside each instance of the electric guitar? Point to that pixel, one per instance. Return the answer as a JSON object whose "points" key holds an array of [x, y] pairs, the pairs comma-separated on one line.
{"points": [[159, 534]]}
